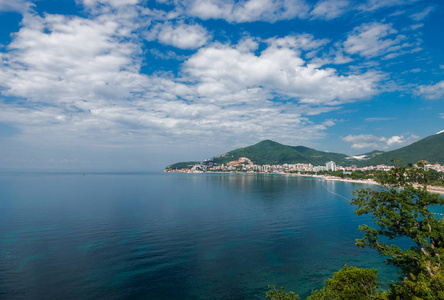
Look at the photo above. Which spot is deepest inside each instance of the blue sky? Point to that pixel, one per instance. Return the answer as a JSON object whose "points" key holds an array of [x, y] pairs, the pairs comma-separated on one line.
{"points": [[114, 84]]}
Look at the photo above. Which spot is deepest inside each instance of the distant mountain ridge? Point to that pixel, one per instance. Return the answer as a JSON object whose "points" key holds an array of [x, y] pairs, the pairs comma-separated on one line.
{"points": [[268, 152], [430, 149]]}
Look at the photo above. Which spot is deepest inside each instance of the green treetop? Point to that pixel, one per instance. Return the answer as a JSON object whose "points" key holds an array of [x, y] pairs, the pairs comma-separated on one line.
{"points": [[401, 209]]}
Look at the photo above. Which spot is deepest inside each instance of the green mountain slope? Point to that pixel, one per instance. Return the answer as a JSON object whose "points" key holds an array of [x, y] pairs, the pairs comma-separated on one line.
{"points": [[316, 157], [270, 153], [430, 148], [265, 152]]}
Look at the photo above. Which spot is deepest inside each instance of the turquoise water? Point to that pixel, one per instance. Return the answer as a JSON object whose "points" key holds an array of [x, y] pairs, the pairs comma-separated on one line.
{"points": [[174, 236]]}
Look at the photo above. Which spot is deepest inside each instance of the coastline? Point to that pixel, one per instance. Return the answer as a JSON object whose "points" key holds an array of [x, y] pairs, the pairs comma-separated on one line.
{"points": [[431, 189]]}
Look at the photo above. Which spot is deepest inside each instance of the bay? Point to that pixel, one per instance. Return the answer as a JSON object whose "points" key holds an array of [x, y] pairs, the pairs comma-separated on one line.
{"points": [[174, 236]]}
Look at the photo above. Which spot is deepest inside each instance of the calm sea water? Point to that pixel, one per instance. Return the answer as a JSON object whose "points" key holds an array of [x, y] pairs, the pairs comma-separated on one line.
{"points": [[174, 236]]}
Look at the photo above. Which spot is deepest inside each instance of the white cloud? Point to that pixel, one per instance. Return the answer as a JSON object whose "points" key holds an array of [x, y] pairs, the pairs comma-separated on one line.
{"points": [[374, 39], [81, 81], [224, 69], [416, 26], [330, 9], [422, 14], [15, 5], [441, 115], [433, 91], [299, 42], [246, 11], [113, 3], [371, 5], [370, 141], [82, 84], [179, 35], [330, 122], [71, 58]]}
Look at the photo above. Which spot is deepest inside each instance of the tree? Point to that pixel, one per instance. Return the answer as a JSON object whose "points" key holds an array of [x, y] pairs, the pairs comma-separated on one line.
{"points": [[275, 294], [350, 283], [401, 209]]}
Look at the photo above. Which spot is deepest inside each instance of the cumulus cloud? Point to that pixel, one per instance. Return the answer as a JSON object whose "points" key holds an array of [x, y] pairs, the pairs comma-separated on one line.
{"points": [[433, 91], [51, 57], [75, 80], [246, 11], [184, 36], [374, 39], [370, 141], [224, 69], [330, 9], [82, 84]]}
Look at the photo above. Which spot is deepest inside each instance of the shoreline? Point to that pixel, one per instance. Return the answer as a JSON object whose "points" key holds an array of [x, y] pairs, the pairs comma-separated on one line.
{"points": [[431, 189]]}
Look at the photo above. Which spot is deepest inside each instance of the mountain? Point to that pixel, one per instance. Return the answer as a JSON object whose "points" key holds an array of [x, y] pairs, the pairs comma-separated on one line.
{"points": [[430, 148], [272, 153]]}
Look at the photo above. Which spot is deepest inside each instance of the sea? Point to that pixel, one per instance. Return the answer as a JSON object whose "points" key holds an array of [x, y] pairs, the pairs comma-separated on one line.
{"points": [[140, 235]]}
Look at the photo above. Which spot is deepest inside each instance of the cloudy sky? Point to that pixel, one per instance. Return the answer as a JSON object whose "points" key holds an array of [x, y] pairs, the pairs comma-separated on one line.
{"points": [[139, 84]]}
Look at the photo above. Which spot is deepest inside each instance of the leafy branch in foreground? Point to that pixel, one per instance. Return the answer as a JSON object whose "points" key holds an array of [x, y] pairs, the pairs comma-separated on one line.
{"points": [[401, 209]]}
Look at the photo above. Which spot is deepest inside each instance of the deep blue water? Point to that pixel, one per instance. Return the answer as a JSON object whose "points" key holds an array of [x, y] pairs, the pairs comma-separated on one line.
{"points": [[174, 236]]}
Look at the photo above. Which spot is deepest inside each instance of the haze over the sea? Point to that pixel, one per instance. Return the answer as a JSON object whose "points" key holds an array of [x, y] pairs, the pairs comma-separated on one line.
{"points": [[140, 84]]}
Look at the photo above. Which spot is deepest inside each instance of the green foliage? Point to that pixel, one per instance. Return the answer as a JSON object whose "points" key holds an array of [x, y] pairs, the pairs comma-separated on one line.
{"points": [[436, 178], [350, 283], [401, 210], [275, 294], [420, 286]]}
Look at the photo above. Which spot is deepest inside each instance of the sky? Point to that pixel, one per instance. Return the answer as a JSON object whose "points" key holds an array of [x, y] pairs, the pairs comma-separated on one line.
{"points": [[140, 84]]}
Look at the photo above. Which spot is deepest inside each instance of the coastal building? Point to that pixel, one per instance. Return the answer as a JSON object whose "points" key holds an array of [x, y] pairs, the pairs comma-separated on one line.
{"points": [[331, 166], [319, 168]]}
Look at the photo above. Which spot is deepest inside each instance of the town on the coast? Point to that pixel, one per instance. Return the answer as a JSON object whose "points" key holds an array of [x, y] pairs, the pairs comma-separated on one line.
{"points": [[245, 165], [329, 171]]}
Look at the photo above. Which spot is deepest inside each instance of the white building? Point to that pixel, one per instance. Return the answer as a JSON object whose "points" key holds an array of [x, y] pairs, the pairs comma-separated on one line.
{"points": [[331, 166]]}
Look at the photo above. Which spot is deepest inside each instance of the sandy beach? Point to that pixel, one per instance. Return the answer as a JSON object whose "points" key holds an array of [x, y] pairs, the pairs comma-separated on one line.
{"points": [[432, 189]]}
